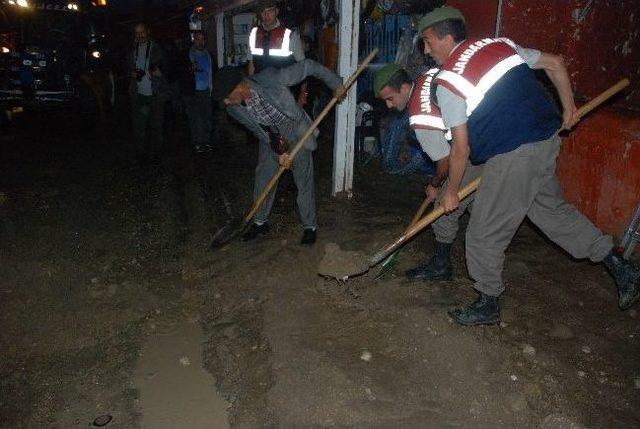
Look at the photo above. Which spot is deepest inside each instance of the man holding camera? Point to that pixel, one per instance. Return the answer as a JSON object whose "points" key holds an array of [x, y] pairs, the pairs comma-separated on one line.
{"points": [[147, 89]]}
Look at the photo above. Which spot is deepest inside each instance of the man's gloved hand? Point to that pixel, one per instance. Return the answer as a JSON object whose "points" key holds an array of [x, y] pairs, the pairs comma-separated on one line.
{"points": [[284, 160]]}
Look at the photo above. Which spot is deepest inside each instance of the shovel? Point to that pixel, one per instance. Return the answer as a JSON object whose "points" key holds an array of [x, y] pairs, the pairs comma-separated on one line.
{"points": [[382, 254], [231, 231], [390, 262]]}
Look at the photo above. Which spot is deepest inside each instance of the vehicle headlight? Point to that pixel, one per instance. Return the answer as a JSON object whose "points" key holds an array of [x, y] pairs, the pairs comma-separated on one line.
{"points": [[96, 54], [5, 50], [21, 3]]}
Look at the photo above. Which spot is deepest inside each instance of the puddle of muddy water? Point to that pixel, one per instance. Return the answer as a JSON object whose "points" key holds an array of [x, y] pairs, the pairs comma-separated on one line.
{"points": [[174, 389]]}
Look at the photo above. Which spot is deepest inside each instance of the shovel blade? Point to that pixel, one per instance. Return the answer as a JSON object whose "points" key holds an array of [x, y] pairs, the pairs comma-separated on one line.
{"points": [[227, 233], [387, 266]]}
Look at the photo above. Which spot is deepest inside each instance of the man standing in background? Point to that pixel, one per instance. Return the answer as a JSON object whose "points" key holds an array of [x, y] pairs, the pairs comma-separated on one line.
{"points": [[147, 90], [197, 84], [272, 44]]}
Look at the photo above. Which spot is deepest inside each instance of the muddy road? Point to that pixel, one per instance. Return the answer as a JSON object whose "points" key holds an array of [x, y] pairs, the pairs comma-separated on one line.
{"points": [[112, 306]]}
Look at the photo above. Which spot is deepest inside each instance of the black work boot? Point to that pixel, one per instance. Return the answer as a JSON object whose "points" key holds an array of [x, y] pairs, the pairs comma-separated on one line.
{"points": [[308, 237], [483, 311], [627, 276], [255, 231], [438, 267]]}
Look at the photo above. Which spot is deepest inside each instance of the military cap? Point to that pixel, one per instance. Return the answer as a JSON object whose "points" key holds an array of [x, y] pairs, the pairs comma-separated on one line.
{"points": [[439, 14], [382, 76]]}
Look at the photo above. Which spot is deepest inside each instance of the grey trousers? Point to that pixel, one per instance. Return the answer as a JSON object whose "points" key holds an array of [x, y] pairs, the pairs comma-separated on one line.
{"points": [[199, 111], [302, 170], [523, 183], [446, 227], [147, 118]]}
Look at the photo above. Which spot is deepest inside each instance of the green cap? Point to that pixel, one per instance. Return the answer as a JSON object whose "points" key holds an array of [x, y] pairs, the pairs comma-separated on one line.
{"points": [[383, 75], [439, 14]]}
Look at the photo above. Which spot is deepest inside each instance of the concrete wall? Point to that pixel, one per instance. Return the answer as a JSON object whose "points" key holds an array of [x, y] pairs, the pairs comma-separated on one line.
{"points": [[599, 165]]}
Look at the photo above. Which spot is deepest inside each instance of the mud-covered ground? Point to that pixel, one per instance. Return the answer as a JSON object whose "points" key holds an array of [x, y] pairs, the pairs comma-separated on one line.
{"points": [[99, 256]]}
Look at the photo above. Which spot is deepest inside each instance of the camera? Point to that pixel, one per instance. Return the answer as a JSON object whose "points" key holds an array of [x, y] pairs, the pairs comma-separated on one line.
{"points": [[139, 74]]}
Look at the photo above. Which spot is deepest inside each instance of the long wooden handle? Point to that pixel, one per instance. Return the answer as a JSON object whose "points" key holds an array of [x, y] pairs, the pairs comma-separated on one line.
{"points": [[604, 96], [258, 202], [419, 213], [417, 227]]}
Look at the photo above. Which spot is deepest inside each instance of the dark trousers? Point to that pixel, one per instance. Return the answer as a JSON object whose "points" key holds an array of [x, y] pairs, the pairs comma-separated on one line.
{"points": [[147, 117], [200, 113]]}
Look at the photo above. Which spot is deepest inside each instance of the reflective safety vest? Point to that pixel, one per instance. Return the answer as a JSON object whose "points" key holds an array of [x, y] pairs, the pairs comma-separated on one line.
{"points": [[423, 112], [506, 105], [271, 48]]}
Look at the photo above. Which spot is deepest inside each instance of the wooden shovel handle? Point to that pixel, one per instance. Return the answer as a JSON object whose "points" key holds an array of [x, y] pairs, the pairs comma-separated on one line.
{"points": [[422, 223], [419, 213], [604, 96], [258, 202]]}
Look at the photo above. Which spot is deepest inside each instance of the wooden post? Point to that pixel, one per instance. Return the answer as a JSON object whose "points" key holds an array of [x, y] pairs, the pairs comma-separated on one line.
{"points": [[343, 149]]}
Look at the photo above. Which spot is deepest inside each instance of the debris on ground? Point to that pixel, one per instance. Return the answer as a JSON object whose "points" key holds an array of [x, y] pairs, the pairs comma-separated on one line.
{"points": [[366, 356]]}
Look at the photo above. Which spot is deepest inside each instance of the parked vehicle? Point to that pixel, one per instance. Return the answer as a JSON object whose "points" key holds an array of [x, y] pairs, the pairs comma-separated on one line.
{"points": [[54, 52]]}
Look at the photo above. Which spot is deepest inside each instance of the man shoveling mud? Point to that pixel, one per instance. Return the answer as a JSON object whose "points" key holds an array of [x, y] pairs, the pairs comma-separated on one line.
{"points": [[264, 100], [392, 84], [500, 118]]}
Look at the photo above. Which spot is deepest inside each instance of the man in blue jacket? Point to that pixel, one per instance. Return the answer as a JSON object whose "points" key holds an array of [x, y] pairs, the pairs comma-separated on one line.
{"points": [[264, 104], [197, 84]]}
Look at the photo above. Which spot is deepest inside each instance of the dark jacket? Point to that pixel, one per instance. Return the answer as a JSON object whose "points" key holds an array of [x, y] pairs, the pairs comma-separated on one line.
{"points": [[273, 86], [156, 58]]}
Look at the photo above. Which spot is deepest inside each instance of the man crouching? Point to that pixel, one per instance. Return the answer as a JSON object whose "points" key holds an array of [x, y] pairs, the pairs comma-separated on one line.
{"points": [[266, 107]]}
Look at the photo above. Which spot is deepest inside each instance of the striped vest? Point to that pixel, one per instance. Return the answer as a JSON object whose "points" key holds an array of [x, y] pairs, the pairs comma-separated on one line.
{"points": [[271, 48], [506, 106], [423, 112]]}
